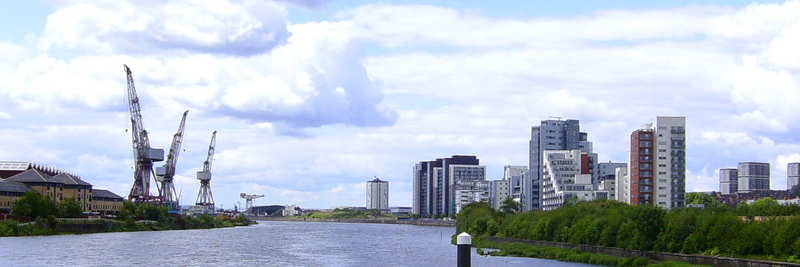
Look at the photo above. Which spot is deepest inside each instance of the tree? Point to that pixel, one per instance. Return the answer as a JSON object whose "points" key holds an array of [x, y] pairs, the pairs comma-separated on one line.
{"points": [[70, 208], [33, 205], [511, 206], [700, 198]]}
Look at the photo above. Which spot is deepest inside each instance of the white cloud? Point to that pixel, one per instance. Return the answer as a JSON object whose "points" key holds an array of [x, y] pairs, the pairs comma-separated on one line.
{"points": [[213, 26], [756, 121], [416, 25], [290, 101]]}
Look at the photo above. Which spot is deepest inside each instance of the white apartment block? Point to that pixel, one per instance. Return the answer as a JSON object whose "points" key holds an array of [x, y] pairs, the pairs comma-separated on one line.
{"points": [[793, 174], [623, 185], [500, 192], [377, 194], [753, 176], [671, 162], [565, 177], [728, 181]]}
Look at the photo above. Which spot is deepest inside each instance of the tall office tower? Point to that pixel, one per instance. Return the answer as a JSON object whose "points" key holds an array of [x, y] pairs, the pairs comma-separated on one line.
{"points": [[793, 174], [753, 176], [420, 203], [671, 160], [728, 181], [435, 183], [377, 194], [550, 135], [657, 173]]}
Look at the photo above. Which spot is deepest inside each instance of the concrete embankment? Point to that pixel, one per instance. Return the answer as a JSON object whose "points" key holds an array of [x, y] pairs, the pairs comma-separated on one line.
{"points": [[449, 223], [657, 256]]}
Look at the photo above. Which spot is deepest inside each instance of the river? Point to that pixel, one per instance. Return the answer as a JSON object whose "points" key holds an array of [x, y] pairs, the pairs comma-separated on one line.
{"points": [[270, 243]]}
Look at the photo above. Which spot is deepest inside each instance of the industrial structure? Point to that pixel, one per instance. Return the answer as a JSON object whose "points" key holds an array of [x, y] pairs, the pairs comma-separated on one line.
{"points": [[249, 198], [143, 154], [204, 197], [166, 173]]}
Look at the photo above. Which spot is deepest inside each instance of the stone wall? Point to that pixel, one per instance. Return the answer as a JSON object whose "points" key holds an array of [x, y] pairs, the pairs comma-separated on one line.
{"points": [[657, 256], [450, 223]]}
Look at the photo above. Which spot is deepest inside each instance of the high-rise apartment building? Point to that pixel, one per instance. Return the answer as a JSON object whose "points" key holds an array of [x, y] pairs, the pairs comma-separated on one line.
{"points": [[753, 176], [671, 162], [728, 181], [657, 169], [550, 135], [377, 194], [792, 174], [641, 170], [437, 182]]}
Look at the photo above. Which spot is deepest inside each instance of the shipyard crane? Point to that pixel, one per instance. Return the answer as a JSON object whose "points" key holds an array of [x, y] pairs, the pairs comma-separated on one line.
{"points": [[204, 197], [249, 198], [166, 173], [143, 154]]}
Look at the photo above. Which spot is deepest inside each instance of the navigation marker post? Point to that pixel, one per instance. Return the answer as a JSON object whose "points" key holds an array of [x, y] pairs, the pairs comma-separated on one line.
{"points": [[464, 242]]}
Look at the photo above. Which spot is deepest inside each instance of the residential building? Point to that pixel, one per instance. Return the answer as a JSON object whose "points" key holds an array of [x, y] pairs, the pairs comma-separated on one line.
{"points": [[10, 192], [515, 175], [500, 192], [566, 176], [605, 177], [657, 169], [753, 176], [377, 194], [106, 203], [793, 174], [19, 177], [728, 181], [550, 135], [56, 188], [467, 192], [623, 185], [671, 160], [435, 184], [641, 166]]}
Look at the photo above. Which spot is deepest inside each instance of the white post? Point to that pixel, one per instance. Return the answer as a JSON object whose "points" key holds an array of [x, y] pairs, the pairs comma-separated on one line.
{"points": [[464, 242]]}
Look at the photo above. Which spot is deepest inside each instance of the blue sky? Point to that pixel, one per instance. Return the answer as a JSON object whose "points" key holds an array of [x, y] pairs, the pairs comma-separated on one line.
{"points": [[312, 100]]}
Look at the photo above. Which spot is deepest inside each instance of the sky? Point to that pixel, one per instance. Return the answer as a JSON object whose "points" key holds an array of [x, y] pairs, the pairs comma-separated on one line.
{"points": [[313, 98]]}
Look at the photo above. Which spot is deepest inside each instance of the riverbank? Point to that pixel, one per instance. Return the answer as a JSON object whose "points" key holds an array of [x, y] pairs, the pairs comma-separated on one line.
{"points": [[669, 259], [60, 226], [420, 222]]}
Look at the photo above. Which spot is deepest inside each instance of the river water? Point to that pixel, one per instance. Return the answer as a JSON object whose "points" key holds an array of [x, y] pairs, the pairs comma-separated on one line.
{"points": [[266, 244]]}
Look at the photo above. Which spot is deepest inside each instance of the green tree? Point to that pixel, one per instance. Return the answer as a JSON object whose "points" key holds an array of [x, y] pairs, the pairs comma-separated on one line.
{"points": [[511, 206], [33, 205], [70, 208], [700, 198]]}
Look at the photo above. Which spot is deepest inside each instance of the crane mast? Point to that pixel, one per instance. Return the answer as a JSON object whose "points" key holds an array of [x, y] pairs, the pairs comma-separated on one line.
{"points": [[143, 154], [204, 197], [166, 173]]}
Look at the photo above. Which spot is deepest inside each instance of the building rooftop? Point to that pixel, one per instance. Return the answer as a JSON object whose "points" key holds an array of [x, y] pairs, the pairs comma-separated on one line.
{"points": [[104, 194], [68, 179], [33, 176], [9, 186]]}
